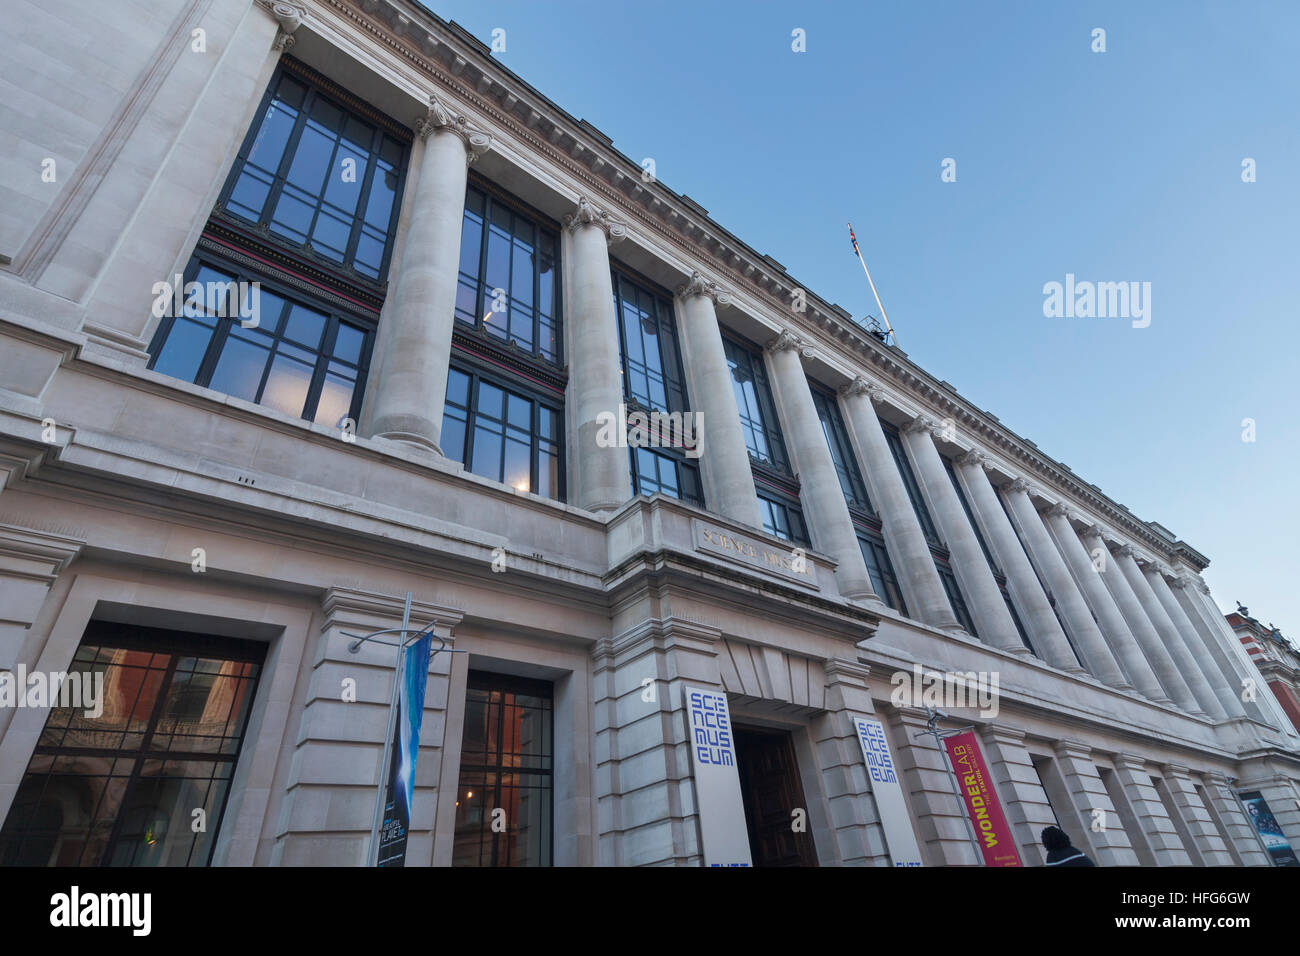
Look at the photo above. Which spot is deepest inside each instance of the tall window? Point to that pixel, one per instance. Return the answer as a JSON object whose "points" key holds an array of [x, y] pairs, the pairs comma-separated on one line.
{"points": [[504, 793], [320, 174], [881, 570], [758, 418], [837, 439], [959, 609], [653, 382], [507, 288], [119, 788], [502, 433], [895, 442], [782, 518], [300, 358]]}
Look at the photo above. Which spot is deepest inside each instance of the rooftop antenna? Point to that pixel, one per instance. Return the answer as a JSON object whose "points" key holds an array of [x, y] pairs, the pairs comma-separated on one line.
{"points": [[880, 305]]}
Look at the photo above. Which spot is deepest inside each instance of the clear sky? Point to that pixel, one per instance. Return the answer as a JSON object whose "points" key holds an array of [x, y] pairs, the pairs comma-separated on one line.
{"points": [[1117, 166]]}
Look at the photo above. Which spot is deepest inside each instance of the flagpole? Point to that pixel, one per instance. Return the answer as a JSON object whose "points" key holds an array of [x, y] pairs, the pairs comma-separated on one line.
{"points": [[880, 305]]}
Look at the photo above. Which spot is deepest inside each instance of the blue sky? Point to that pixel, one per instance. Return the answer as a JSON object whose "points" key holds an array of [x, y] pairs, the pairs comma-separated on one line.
{"points": [[1116, 166]]}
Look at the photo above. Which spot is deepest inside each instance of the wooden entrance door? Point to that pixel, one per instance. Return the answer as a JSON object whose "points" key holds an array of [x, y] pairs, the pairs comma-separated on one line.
{"points": [[769, 781]]}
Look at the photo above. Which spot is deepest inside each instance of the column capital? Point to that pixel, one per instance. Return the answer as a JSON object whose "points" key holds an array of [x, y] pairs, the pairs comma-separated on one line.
{"points": [[1072, 748], [973, 457], [1019, 484], [919, 424], [586, 214], [1095, 530], [697, 284], [862, 386], [1126, 551], [789, 340], [1059, 510], [441, 117], [289, 16]]}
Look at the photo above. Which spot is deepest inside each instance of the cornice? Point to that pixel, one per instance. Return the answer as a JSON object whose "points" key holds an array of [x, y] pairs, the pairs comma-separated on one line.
{"points": [[448, 56]]}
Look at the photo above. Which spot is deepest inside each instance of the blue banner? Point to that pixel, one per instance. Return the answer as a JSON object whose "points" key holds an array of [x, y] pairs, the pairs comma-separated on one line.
{"points": [[405, 750]]}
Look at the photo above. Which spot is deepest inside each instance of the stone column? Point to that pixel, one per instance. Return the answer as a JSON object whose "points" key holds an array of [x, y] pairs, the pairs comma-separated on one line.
{"points": [[823, 497], [1183, 658], [1110, 619], [1161, 834], [415, 337], [978, 586], [1223, 690], [1026, 590], [1156, 653], [1097, 656], [908, 550], [727, 476], [602, 478]]}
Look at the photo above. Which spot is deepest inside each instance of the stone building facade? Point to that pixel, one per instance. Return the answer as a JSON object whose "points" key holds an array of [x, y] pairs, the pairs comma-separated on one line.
{"points": [[307, 305]]}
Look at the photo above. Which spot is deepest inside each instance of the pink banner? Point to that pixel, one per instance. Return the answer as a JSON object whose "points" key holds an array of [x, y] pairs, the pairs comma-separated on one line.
{"points": [[981, 802]]}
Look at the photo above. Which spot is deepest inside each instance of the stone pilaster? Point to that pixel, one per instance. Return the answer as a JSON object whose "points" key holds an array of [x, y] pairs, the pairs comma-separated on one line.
{"points": [[1109, 618], [1200, 825], [823, 497], [337, 764], [971, 568], [908, 549], [942, 828], [1027, 593], [30, 562], [1088, 795], [601, 477], [415, 337], [1027, 807], [727, 476], [1149, 809]]}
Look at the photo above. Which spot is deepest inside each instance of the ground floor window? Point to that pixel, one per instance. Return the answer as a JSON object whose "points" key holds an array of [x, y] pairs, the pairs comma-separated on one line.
{"points": [[128, 786], [504, 796]]}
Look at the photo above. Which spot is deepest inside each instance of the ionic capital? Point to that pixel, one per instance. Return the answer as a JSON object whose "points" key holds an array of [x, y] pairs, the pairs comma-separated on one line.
{"points": [[862, 386], [697, 284], [1126, 551], [289, 17], [441, 118], [920, 424], [1059, 510], [973, 457], [788, 340], [588, 215], [1020, 485]]}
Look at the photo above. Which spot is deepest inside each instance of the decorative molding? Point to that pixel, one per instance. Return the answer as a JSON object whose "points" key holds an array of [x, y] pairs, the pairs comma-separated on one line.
{"points": [[1126, 551], [440, 118], [289, 16], [1019, 484], [587, 214], [919, 424], [973, 457], [1058, 510], [788, 340], [698, 285]]}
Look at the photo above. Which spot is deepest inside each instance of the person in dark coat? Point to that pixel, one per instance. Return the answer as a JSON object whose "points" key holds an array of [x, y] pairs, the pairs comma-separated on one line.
{"points": [[1060, 852]]}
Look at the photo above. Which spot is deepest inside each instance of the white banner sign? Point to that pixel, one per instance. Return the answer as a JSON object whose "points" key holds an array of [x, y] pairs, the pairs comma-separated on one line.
{"points": [[882, 773], [723, 832]]}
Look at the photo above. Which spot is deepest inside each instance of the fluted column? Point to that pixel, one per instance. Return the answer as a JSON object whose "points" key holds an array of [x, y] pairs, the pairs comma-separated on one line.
{"points": [[1098, 657], [978, 585], [727, 476], [1026, 591], [1169, 634], [908, 549], [415, 336], [1109, 618], [823, 497], [602, 479], [1156, 653], [1223, 689]]}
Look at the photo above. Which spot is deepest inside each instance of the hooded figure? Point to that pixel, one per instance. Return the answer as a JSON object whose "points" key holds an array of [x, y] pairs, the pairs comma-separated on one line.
{"points": [[1060, 852]]}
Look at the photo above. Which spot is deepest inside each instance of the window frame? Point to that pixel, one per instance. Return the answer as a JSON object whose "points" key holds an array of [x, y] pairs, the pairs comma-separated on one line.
{"points": [[884, 579], [292, 295], [837, 439], [468, 363], [493, 195], [318, 86], [770, 420]]}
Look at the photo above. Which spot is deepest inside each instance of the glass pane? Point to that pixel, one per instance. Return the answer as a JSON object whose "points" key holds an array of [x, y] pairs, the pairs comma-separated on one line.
{"points": [[184, 349], [306, 326], [346, 179], [383, 192], [335, 401], [452, 439], [490, 400], [348, 342], [471, 236], [249, 195], [457, 388], [292, 217], [487, 452], [272, 138], [286, 386], [518, 466], [311, 161], [239, 370]]}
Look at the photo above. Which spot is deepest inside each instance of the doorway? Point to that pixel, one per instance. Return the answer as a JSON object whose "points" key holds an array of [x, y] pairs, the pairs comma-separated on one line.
{"points": [[769, 783]]}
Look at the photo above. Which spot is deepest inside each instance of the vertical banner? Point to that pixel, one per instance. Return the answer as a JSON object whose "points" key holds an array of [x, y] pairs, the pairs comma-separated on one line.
{"points": [[982, 804], [900, 840], [405, 749], [1269, 830], [723, 834]]}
